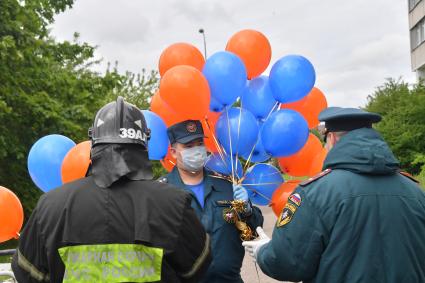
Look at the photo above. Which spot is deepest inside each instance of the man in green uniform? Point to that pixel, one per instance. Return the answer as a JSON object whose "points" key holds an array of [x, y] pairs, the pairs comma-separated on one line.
{"points": [[360, 220], [211, 198]]}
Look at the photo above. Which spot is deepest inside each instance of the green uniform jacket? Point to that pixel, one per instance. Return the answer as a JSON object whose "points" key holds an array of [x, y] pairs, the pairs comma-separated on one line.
{"points": [[360, 221], [226, 245]]}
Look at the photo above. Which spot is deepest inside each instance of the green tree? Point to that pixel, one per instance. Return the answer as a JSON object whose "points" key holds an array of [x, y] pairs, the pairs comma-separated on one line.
{"points": [[48, 87], [403, 124]]}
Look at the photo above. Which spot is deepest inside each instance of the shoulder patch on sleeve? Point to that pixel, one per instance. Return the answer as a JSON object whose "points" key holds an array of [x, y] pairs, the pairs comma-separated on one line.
{"points": [[317, 177], [295, 198], [405, 174], [286, 215]]}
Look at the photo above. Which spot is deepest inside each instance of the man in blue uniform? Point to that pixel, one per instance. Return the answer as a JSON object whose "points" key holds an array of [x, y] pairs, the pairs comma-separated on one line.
{"points": [[211, 198], [360, 220]]}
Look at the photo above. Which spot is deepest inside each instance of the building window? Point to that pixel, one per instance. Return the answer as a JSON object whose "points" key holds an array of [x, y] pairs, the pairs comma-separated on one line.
{"points": [[417, 34], [413, 3]]}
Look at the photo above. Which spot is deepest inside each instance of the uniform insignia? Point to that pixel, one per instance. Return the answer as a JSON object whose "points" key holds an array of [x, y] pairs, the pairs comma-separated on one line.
{"points": [[317, 177], [291, 207], [295, 198], [286, 215], [191, 127], [229, 215], [139, 123], [405, 174]]}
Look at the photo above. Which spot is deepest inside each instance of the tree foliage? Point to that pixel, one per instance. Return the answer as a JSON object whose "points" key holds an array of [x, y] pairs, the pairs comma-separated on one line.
{"points": [[48, 87], [403, 124]]}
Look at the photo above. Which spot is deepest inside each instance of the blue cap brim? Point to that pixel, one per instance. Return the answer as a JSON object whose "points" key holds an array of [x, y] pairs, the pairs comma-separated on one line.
{"points": [[189, 138]]}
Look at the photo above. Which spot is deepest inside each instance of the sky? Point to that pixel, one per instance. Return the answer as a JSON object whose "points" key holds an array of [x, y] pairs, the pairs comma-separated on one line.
{"points": [[353, 45]]}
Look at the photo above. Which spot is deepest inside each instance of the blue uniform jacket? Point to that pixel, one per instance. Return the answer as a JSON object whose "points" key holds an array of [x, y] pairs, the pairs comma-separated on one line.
{"points": [[226, 245]]}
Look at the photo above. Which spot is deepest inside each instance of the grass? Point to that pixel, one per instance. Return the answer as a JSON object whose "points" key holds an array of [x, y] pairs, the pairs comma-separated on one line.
{"points": [[12, 244], [5, 259]]}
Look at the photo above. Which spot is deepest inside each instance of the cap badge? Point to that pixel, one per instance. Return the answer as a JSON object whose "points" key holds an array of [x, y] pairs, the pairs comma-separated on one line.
{"points": [[191, 127]]}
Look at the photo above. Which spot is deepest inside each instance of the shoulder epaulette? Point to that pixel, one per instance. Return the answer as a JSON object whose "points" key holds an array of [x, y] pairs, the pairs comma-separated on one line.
{"points": [[405, 174], [317, 177]]}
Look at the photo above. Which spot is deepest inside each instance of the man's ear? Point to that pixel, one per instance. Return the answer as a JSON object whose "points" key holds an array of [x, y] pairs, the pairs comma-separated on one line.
{"points": [[334, 139], [330, 141], [173, 152]]}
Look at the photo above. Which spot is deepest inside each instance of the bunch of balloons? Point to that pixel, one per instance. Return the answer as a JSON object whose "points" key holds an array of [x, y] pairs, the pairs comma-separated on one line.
{"points": [[248, 118], [246, 115]]}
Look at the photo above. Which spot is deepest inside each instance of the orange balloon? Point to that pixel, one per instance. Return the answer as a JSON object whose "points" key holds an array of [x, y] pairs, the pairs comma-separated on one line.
{"points": [[180, 54], [168, 115], [299, 163], [208, 125], [168, 162], [11, 215], [317, 164], [76, 162], [253, 48], [186, 90], [310, 106], [281, 194]]}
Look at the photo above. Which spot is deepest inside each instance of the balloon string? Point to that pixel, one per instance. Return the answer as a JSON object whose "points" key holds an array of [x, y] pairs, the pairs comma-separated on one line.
{"points": [[220, 149], [217, 144], [270, 174], [256, 269], [260, 194], [239, 127], [231, 150], [258, 137], [264, 175], [251, 154], [262, 184], [220, 176]]}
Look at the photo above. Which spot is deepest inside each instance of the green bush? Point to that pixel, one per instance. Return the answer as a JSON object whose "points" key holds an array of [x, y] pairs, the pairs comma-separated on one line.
{"points": [[403, 125]]}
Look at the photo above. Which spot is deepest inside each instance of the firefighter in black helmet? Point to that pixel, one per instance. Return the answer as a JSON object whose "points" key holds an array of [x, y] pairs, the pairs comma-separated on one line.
{"points": [[115, 225]]}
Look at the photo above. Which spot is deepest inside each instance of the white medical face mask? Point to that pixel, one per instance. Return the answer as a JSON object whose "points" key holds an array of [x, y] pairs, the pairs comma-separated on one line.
{"points": [[194, 158]]}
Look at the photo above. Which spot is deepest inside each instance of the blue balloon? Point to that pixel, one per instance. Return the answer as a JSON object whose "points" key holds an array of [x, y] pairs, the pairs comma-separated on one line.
{"points": [[226, 75], [261, 180], [258, 154], [292, 78], [158, 143], [215, 105], [216, 164], [45, 161], [284, 133], [258, 98], [237, 131]]}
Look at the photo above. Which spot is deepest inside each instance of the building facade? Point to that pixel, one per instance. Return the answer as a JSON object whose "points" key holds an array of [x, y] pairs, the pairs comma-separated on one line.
{"points": [[417, 36]]}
